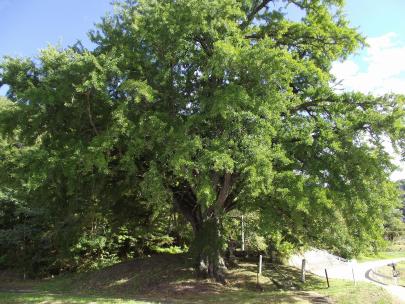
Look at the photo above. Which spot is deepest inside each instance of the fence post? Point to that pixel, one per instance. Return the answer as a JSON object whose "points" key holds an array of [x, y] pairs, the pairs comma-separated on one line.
{"points": [[243, 233], [353, 263], [260, 264], [327, 279], [303, 270]]}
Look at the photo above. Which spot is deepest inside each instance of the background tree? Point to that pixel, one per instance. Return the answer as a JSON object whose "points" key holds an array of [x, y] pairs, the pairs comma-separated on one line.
{"points": [[49, 223], [401, 184], [211, 106], [395, 220]]}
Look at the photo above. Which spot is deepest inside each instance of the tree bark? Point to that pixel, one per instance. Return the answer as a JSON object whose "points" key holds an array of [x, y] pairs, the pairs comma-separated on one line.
{"points": [[208, 245], [207, 249]]}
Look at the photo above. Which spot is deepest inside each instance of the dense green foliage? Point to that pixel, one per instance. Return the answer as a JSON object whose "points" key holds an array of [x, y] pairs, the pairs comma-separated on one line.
{"points": [[199, 108], [401, 184], [395, 219]]}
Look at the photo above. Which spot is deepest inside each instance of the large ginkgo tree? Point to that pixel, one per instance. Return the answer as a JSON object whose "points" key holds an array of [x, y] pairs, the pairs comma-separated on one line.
{"points": [[211, 106]]}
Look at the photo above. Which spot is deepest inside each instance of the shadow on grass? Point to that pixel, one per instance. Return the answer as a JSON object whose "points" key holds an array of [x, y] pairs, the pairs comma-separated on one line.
{"points": [[45, 298], [131, 278], [170, 279], [226, 298]]}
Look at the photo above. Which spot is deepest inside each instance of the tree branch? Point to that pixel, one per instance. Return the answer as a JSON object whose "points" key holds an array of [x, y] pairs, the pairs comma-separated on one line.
{"points": [[89, 113], [223, 194], [206, 45], [185, 202], [252, 14], [225, 189]]}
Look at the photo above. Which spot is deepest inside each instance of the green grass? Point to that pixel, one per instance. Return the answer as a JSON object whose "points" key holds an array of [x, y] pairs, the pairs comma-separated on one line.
{"points": [[169, 279], [341, 293], [382, 256], [16, 298], [394, 250], [227, 298], [345, 292]]}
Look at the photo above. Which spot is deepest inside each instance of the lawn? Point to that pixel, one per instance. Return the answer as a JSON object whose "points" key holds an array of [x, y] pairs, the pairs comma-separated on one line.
{"points": [[168, 279], [394, 250], [341, 293], [344, 292], [384, 255], [35, 297]]}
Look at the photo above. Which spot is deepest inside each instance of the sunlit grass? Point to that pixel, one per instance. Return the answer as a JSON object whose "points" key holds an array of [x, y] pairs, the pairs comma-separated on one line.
{"points": [[382, 256], [394, 250], [345, 292], [13, 298]]}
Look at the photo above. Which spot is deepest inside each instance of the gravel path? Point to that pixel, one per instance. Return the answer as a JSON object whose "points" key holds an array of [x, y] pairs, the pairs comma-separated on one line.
{"points": [[319, 260]]}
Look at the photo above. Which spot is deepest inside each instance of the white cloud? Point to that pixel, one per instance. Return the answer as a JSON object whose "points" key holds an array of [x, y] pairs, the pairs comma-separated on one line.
{"points": [[396, 159], [385, 67], [400, 172], [380, 70]]}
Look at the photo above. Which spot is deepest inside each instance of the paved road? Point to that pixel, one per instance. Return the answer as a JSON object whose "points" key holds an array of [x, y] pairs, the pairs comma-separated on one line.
{"points": [[319, 260], [367, 268], [363, 272]]}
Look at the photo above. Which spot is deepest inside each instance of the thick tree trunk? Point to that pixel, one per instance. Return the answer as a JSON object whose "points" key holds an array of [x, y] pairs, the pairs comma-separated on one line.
{"points": [[207, 250], [208, 244]]}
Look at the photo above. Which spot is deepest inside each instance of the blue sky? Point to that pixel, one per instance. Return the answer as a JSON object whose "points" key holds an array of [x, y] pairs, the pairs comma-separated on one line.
{"points": [[383, 24], [376, 18], [29, 25], [379, 68]]}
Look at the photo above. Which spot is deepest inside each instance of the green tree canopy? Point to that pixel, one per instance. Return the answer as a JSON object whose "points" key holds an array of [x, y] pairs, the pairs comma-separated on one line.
{"points": [[209, 106]]}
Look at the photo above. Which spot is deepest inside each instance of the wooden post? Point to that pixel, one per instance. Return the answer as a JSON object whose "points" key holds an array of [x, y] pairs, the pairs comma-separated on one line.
{"points": [[327, 278], [353, 263], [303, 270], [354, 279], [243, 233], [260, 264], [23, 246]]}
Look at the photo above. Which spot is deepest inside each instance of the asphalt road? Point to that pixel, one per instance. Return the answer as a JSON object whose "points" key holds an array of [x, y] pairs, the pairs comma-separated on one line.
{"points": [[319, 260], [364, 272]]}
